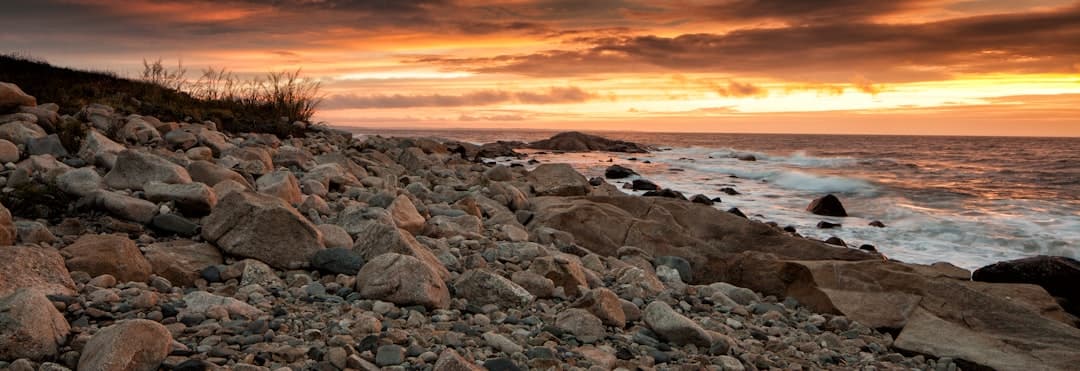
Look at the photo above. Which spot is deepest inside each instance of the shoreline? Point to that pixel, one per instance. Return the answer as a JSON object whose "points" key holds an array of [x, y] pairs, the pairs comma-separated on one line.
{"points": [[175, 245]]}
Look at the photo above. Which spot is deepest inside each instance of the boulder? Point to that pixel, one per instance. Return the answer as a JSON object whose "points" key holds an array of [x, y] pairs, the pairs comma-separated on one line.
{"points": [[281, 184], [405, 216], [828, 206], [557, 180], [1057, 274], [262, 227], [46, 114], [604, 304], [139, 131], [183, 140], [182, 261], [132, 345], [335, 236], [402, 280], [564, 271], [124, 206], [81, 182], [211, 174], [12, 97], [674, 327], [112, 254], [30, 326], [586, 327], [482, 287], [618, 172], [937, 309], [8, 152], [47, 145], [331, 175], [292, 157], [580, 142], [644, 185], [33, 232], [190, 198], [20, 132], [98, 149], [337, 260], [374, 238], [134, 169], [253, 160], [38, 268]]}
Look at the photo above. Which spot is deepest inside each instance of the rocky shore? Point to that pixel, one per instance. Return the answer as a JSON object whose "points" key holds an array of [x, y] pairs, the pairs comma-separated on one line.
{"points": [[141, 245]]}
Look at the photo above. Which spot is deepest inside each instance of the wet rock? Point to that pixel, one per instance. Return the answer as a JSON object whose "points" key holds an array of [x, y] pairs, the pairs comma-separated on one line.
{"points": [[114, 255], [828, 206], [836, 241], [702, 199], [877, 223], [557, 180], [403, 280], [618, 172], [30, 327], [827, 225], [134, 169], [674, 327], [135, 345], [644, 185], [262, 227], [482, 287]]}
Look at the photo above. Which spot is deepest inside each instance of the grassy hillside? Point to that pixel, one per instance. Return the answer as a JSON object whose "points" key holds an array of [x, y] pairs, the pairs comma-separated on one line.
{"points": [[72, 89]]}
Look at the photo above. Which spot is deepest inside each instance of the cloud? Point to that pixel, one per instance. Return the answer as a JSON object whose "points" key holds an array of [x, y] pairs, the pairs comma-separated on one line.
{"points": [[503, 117], [861, 83], [807, 11], [741, 90], [1042, 41], [553, 95]]}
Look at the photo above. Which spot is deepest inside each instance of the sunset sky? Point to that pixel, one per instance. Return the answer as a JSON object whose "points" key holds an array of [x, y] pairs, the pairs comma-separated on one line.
{"points": [[991, 67]]}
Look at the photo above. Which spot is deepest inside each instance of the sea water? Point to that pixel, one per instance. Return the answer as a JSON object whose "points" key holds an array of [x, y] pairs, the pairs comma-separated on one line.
{"points": [[970, 201]]}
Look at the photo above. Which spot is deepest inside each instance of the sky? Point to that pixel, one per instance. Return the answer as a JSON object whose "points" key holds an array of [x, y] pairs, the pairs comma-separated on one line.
{"points": [[939, 67]]}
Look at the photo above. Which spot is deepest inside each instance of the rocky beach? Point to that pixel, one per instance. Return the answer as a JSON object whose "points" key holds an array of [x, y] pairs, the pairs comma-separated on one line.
{"points": [[142, 244]]}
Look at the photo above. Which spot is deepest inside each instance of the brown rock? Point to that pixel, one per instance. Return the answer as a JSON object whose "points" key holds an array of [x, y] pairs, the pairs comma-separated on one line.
{"points": [[181, 261], [12, 97], [574, 141], [405, 216], [133, 345], [403, 280], [374, 238], [449, 360], [112, 254], [30, 327], [564, 271], [32, 267], [7, 227], [262, 227], [482, 287], [604, 304], [557, 180]]}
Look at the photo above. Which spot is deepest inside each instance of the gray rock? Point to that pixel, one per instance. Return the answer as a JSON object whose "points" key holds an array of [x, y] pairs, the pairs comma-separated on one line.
{"points": [[680, 264], [176, 224], [558, 180], [201, 301], [374, 238], [674, 327], [262, 227], [449, 360], [135, 345], [390, 355], [48, 145], [134, 169], [98, 149], [482, 287], [33, 232], [190, 198], [212, 174], [20, 132], [501, 343], [337, 260], [586, 327], [80, 182], [139, 131], [30, 327]]}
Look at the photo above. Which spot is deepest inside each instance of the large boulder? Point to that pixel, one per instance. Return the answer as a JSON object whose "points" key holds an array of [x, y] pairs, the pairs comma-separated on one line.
{"points": [[828, 206], [660, 226], [132, 345], [574, 141], [182, 261], [12, 97], [98, 149], [374, 238], [39, 268], [134, 169], [211, 174], [111, 254], [30, 326], [403, 280], [262, 227], [482, 287], [936, 309], [1057, 274], [557, 180], [190, 198]]}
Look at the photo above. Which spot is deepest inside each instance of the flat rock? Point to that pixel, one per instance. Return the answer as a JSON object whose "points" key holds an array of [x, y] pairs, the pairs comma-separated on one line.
{"points": [[402, 280], [190, 198], [337, 260], [262, 227], [574, 141], [30, 326], [201, 301], [132, 345], [557, 180], [134, 169], [114, 255]]}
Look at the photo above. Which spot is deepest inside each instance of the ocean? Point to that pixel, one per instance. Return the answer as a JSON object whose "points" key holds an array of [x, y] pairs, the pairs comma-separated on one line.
{"points": [[970, 201]]}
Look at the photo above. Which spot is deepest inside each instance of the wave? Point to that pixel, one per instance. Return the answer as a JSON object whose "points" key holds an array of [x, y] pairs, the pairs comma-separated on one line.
{"points": [[797, 158], [793, 179]]}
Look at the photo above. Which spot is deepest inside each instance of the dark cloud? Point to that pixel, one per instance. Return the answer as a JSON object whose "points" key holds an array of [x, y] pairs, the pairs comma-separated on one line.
{"points": [[1021, 42], [807, 11], [552, 95]]}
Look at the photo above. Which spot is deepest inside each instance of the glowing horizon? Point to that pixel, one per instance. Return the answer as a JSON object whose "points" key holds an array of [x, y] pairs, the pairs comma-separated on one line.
{"points": [[933, 67]]}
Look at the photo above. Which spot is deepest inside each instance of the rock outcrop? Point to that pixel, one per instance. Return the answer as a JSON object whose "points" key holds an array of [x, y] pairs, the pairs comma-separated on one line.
{"points": [[262, 227], [573, 141]]}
